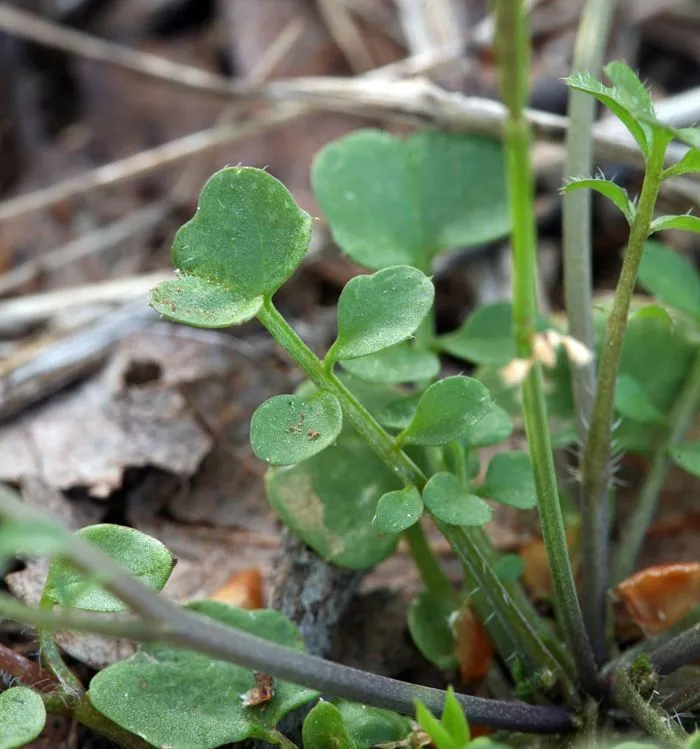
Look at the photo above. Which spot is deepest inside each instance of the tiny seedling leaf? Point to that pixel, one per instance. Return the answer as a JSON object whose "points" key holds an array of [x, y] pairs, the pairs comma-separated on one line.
{"points": [[398, 364], [447, 190], [616, 103], [632, 401], [143, 556], [246, 239], [454, 720], [687, 456], [398, 510], [429, 624], [290, 428], [381, 310], [510, 480], [446, 410], [485, 337], [495, 426], [324, 728], [448, 500], [330, 499], [22, 717], [616, 194], [372, 726], [398, 413], [684, 223], [439, 735], [671, 278], [630, 90], [688, 164], [184, 700]]}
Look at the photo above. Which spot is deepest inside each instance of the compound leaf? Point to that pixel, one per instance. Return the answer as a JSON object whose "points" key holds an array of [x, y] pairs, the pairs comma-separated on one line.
{"points": [[22, 717], [447, 190], [324, 728], [448, 500], [246, 239], [671, 278], [143, 556], [510, 480], [398, 510], [446, 410], [182, 699], [429, 624], [398, 364], [381, 310], [687, 456], [616, 194], [287, 429]]}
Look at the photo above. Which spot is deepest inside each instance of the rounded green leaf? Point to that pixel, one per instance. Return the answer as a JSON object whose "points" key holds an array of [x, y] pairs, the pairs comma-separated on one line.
{"points": [[381, 310], [372, 726], [687, 456], [429, 625], [510, 480], [446, 410], [290, 428], [143, 556], [495, 426], [398, 413], [447, 190], [400, 363], [485, 337], [398, 510], [509, 568], [448, 500], [324, 728], [631, 401], [671, 278], [246, 239], [202, 304], [329, 501], [184, 700], [22, 717]]}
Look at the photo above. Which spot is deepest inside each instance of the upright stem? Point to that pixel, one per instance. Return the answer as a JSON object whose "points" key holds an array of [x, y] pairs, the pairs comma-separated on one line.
{"points": [[513, 46], [595, 463], [52, 659], [681, 416], [590, 47]]}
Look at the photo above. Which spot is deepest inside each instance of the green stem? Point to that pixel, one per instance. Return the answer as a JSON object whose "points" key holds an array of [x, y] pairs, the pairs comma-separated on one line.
{"points": [[595, 463], [430, 571], [591, 42], [52, 659], [679, 420], [276, 738], [459, 455], [400, 464], [656, 724], [513, 48], [682, 650]]}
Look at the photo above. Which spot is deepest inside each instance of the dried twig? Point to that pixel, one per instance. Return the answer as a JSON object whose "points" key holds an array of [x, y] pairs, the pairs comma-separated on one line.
{"points": [[346, 35]]}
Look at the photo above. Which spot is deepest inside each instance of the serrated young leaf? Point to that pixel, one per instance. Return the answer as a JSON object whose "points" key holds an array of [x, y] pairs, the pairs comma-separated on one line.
{"points": [[330, 499], [611, 99], [184, 700], [689, 135], [372, 726], [324, 728], [287, 429], [510, 480], [398, 364], [616, 194], [22, 717], [434, 728], [449, 501], [690, 163], [687, 456], [671, 278], [446, 410], [632, 401], [630, 90], [447, 190], [495, 426], [398, 510], [485, 337], [684, 223], [143, 556], [378, 311], [454, 720], [246, 239]]}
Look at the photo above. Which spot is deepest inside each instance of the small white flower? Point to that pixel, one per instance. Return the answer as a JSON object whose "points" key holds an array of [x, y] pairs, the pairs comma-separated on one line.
{"points": [[516, 371]]}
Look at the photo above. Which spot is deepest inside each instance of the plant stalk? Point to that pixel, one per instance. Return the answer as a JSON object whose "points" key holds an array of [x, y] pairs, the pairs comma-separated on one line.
{"points": [[52, 659], [595, 462], [514, 57], [682, 650], [679, 420]]}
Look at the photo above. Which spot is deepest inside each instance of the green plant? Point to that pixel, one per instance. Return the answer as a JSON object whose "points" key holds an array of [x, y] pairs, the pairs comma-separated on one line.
{"points": [[374, 439]]}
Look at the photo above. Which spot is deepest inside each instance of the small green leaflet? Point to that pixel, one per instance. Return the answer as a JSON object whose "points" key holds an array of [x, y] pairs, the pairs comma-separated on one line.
{"points": [[22, 717], [397, 364], [449, 501], [687, 456], [671, 278], [616, 194], [510, 480], [429, 625], [398, 510]]}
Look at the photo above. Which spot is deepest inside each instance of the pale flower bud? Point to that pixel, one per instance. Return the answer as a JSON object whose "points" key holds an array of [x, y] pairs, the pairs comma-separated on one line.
{"points": [[516, 371]]}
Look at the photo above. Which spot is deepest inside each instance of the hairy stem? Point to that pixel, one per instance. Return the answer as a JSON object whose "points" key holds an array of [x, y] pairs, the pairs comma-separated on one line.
{"points": [[682, 650], [591, 42], [513, 47], [682, 699], [52, 659], [679, 420], [656, 724], [595, 463], [400, 464]]}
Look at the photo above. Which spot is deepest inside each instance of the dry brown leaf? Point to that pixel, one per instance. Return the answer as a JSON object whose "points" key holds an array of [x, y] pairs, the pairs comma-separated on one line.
{"points": [[244, 590], [474, 648], [658, 597]]}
